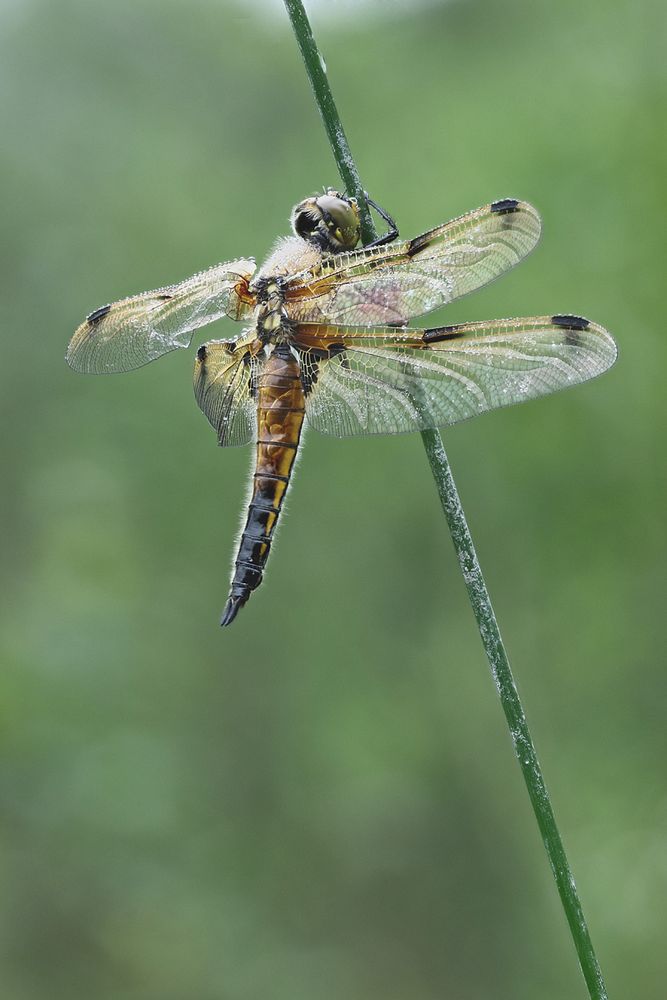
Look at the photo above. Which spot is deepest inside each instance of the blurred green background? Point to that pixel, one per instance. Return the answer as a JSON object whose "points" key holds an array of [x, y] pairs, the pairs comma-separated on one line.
{"points": [[322, 801]]}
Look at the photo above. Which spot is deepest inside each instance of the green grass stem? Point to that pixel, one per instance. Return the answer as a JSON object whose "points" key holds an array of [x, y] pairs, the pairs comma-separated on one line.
{"points": [[465, 550]]}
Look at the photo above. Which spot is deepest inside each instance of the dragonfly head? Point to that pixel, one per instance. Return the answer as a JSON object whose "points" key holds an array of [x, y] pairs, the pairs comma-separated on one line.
{"points": [[329, 220]]}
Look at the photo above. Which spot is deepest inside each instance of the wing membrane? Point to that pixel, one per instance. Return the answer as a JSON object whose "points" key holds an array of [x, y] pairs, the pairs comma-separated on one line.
{"points": [[391, 284], [131, 332], [384, 381], [224, 379]]}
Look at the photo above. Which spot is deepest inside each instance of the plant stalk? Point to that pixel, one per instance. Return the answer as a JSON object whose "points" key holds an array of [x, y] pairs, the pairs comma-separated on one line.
{"points": [[465, 550]]}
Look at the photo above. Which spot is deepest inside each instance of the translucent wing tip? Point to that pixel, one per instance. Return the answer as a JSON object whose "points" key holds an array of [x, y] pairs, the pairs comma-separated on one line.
{"points": [[511, 207], [133, 331], [81, 355], [581, 332]]}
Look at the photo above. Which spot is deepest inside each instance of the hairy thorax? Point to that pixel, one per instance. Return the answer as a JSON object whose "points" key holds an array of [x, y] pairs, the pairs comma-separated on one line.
{"points": [[290, 254]]}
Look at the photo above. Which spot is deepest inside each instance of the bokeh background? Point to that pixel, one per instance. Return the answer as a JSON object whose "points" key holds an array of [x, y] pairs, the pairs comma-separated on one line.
{"points": [[322, 801]]}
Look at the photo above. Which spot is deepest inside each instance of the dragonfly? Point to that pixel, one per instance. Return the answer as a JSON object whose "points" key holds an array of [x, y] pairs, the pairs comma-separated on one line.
{"points": [[326, 342]]}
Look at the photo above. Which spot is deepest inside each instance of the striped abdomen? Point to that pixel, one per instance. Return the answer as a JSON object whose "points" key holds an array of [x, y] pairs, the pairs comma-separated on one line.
{"points": [[280, 413]]}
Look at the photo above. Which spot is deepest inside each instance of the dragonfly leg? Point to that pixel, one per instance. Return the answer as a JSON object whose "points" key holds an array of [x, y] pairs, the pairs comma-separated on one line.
{"points": [[389, 236]]}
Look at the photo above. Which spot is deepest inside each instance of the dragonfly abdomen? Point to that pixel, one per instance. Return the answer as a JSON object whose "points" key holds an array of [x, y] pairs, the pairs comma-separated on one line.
{"points": [[280, 414]]}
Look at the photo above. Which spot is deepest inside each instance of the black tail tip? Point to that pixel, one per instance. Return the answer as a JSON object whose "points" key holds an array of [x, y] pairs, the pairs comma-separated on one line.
{"points": [[232, 608]]}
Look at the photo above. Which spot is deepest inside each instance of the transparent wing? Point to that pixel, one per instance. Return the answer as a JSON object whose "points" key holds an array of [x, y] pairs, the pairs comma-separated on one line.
{"points": [[386, 381], [225, 380], [131, 332], [391, 284]]}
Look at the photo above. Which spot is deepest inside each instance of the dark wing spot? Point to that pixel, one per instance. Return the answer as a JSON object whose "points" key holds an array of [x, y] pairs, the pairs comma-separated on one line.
{"points": [[418, 244], [571, 322], [440, 333], [314, 354], [505, 206], [164, 297], [338, 351], [201, 353], [98, 314], [572, 325], [252, 378], [309, 376]]}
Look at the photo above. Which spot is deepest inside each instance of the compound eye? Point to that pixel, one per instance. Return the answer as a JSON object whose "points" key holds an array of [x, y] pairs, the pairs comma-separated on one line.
{"points": [[342, 219], [306, 217]]}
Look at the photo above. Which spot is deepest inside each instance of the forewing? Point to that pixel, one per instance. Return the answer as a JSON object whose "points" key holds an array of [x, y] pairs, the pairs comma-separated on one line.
{"points": [[131, 332], [391, 284], [225, 380], [384, 381]]}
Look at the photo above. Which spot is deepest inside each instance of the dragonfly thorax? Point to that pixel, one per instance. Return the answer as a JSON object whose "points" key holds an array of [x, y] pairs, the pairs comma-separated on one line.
{"points": [[271, 318]]}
